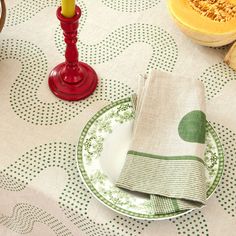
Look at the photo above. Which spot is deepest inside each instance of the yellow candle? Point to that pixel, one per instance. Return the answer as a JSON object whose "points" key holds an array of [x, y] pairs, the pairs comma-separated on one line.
{"points": [[68, 8]]}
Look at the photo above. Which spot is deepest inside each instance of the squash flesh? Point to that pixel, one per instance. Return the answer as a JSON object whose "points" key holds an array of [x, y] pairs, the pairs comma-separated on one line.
{"points": [[217, 10], [184, 13], [207, 39]]}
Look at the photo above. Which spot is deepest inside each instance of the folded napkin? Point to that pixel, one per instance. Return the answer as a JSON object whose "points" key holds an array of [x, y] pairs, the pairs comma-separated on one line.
{"points": [[165, 158]]}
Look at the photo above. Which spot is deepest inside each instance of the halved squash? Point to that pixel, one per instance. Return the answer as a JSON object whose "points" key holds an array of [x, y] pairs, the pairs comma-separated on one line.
{"points": [[207, 22]]}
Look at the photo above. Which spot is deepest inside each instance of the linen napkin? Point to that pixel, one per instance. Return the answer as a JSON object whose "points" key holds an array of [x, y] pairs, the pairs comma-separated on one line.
{"points": [[165, 158]]}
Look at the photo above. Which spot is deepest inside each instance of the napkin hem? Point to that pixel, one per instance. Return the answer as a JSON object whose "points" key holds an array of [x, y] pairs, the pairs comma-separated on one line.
{"points": [[182, 179], [144, 154]]}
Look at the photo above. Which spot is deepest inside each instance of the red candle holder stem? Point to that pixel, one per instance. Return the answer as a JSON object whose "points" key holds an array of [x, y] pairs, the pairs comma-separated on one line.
{"points": [[72, 80]]}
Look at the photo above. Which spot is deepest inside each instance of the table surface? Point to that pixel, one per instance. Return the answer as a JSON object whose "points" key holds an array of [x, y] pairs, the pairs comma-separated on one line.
{"points": [[41, 192]]}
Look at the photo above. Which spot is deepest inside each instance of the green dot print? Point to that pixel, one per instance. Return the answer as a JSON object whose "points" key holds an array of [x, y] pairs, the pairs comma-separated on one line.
{"points": [[215, 78], [25, 10], [75, 198], [24, 217], [24, 98], [193, 223], [226, 192], [192, 127], [130, 5], [164, 48]]}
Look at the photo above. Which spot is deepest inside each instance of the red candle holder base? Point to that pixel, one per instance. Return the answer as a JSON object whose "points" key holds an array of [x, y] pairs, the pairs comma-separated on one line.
{"points": [[73, 91]]}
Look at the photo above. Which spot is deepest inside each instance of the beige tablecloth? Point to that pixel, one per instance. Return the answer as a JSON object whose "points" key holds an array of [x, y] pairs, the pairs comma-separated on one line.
{"points": [[41, 192]]}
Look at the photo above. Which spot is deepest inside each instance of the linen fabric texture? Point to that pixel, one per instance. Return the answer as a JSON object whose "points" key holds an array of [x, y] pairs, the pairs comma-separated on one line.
{"points": [[166, 155]]}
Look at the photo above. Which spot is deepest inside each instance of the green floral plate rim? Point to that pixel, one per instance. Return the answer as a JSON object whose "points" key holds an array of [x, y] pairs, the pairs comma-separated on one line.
{"points": [[122, 111]]}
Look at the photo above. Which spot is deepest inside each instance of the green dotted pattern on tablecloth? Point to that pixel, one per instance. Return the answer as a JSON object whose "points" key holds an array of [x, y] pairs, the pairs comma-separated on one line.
{"points": [[215, 78], [75, 198], [130, 5], [223, 49], [24, 97], [191, 224], [226, 192], [25, 10], [24, 100], [24, 217], [164, 48]]}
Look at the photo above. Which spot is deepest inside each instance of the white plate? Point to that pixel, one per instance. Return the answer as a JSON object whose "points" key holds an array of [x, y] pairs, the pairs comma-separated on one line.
{"points": [[101, 154]]}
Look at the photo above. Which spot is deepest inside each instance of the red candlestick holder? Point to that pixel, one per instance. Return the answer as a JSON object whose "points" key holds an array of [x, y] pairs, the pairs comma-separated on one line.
{"points": [[72, 80]]}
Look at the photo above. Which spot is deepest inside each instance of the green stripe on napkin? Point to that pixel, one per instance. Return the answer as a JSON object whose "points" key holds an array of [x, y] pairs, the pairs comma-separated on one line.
{"points": [[135, 153]]}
